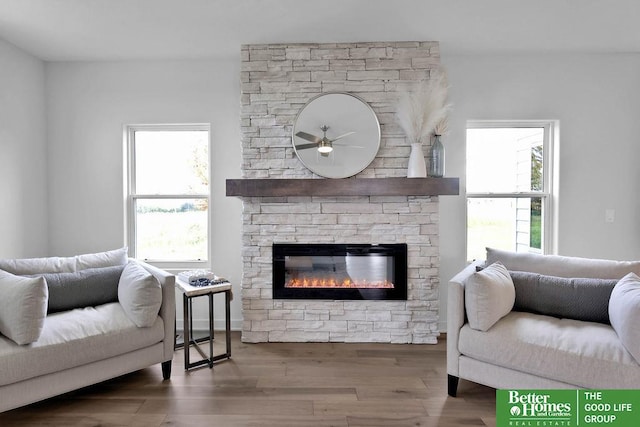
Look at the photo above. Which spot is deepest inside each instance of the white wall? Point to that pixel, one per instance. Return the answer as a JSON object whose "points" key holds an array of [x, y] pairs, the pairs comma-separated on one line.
{"points": [[89, 103], [23, 217], [596, 99]]}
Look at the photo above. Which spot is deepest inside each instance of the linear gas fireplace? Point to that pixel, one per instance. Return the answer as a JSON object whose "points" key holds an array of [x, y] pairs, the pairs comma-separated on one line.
{"points": [[340, 271]]}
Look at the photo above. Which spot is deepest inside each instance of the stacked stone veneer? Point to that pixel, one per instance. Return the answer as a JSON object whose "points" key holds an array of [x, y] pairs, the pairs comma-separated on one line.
{"points": [[277, 80]]}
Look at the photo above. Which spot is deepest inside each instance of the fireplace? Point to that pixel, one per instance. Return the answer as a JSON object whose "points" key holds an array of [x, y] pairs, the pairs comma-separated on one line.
{"points": [[271, 93], [340, 271]]}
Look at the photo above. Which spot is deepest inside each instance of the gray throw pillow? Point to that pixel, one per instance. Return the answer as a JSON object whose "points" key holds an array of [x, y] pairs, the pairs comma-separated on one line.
{"points": [[571, 298], [85, 288]]}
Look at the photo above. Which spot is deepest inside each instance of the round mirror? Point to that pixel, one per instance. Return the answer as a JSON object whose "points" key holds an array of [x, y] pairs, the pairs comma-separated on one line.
{"points": [[336, 135]]}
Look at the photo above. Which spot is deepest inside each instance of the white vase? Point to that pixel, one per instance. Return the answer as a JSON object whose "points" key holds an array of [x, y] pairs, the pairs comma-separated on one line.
{"points": [[417, 167]]}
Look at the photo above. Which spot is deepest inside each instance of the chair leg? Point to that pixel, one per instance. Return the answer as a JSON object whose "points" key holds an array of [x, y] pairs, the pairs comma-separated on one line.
{"points": [[453, 385], [166, 369]]}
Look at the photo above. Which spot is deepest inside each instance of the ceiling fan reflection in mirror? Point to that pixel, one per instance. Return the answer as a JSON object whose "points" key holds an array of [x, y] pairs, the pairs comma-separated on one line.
{"points": [[336, 135], [324, 144]]}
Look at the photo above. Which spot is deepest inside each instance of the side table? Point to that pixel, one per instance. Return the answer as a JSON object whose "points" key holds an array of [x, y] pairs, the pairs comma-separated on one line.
{"points": [[188, 294]]}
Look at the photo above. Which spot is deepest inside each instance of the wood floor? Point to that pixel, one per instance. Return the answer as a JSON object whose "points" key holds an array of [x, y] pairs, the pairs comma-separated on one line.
{"points": [[279, 385]]}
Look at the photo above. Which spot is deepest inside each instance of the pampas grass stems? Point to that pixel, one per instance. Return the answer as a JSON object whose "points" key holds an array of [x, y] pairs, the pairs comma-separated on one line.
{"points": [[423, 110], [442, 128]]}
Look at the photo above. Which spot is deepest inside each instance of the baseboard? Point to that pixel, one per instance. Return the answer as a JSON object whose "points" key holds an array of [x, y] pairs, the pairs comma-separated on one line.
{"points": [[236, 325], [442, 326]]}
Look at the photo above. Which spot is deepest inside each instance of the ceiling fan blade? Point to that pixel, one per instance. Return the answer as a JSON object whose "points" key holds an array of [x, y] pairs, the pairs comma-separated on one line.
{"points": [[348, 145], [342, 136], [309, 137], [306, 146]]}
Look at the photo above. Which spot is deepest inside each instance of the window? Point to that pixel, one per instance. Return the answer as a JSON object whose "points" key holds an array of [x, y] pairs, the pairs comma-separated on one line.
{"points": [[168, 194], [509, 187]]}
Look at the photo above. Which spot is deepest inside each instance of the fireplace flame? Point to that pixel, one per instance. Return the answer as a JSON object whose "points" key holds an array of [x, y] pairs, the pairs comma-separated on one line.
{"points": [[328, 282]]}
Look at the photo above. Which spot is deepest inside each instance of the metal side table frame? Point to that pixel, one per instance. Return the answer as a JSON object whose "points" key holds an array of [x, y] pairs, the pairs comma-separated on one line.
{"points": [[188, 294]]}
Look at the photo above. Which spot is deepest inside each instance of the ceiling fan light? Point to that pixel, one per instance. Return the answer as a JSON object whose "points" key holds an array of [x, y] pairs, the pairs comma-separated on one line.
{"points": [[325, 147]]}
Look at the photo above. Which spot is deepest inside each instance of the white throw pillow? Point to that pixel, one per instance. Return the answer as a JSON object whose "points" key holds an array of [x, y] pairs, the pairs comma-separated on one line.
{"points": [[489, 295], [140, 295], [23, 307], [624, 313]]}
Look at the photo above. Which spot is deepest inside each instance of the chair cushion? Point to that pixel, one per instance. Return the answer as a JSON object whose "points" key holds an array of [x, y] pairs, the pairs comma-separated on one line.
{"points": [[563, 266], [624, 311], [76, 337], [24, 266], [23, 307], [586, 354], [102, 259], [489, 295]]}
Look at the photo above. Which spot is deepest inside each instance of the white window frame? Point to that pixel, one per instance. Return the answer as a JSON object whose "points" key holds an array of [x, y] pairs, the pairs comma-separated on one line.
{"points": [[131, 195], [550, 184]]}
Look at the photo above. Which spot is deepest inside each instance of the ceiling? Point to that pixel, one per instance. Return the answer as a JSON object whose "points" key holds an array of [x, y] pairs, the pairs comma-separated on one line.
{"points": [[82, 30]]}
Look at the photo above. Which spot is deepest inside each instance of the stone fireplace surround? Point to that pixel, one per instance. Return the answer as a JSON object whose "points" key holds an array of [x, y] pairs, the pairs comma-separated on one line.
{"points": [[276, 81]]}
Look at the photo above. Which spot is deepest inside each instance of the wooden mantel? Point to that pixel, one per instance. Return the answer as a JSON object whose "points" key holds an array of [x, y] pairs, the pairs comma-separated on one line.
{"points": [[343, 187]]}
